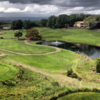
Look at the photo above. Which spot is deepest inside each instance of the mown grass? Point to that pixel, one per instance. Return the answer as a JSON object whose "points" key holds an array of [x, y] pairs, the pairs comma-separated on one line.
{"points": [[72, 35], [10, 33], [20, 46], [7, 71], [81, 96], [57, 63]]}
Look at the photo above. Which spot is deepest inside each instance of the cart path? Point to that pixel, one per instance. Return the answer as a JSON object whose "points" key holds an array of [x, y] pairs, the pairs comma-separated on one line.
{"points": [[57, 50], [61, 79]]}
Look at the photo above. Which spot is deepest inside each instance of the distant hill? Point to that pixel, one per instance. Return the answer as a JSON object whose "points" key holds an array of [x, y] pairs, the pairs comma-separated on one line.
{"points": [[9, 19]]}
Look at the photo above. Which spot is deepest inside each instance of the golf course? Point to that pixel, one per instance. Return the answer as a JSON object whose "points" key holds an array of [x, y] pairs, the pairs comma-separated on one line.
{"points": [[30, 71]]}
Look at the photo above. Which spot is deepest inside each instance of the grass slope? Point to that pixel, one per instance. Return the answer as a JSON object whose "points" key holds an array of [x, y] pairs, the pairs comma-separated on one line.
{"points": [[82, 96], [58, 62], [28, 85]]}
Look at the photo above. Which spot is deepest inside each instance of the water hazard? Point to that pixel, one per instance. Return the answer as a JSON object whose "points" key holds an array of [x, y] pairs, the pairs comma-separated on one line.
{"points": [[87, 50]]}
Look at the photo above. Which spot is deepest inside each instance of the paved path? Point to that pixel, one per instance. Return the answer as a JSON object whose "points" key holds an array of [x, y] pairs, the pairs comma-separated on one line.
{"points": [[57, 50]]}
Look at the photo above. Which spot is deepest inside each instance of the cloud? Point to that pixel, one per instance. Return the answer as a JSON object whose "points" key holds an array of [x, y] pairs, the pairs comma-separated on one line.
{"points": [[29, 1], [33, 9], [48, 7]]}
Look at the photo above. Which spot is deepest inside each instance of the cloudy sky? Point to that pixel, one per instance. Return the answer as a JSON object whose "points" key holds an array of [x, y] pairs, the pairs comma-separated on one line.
{"points": [[45, 8]]}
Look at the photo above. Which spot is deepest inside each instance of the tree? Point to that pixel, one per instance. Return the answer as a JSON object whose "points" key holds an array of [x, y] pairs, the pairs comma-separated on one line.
{"points": [[27, 24], [73, 18], [90, 22], [18, 34], [62, 21], [33, 34], [43, 22], [52, 21], [17, 24]]}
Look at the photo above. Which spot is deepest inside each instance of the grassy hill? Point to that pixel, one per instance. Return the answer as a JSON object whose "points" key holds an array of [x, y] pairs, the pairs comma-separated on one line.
{"points": [[18, 83]]}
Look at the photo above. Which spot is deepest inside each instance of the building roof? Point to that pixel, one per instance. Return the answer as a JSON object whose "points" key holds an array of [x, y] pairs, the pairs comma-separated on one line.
{"points": [[79, 22]]}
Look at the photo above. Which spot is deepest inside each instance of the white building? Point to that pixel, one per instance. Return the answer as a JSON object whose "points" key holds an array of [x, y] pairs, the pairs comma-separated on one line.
{"points": [[6, 28]]}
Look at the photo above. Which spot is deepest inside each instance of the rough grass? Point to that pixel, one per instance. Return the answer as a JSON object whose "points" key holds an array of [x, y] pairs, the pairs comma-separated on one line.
{"points": [[87, 69], [20, 46], [28, 85], [81, 96]]}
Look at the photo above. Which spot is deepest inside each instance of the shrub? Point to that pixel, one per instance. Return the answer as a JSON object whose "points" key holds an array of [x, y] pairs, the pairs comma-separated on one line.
{"points": [[98, 65], [69, 72], [73, 75], [1, 37]]}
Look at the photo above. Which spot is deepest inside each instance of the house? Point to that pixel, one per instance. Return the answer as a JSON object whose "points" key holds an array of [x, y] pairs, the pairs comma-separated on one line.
{"points": [[79, 24], [6, 28]]}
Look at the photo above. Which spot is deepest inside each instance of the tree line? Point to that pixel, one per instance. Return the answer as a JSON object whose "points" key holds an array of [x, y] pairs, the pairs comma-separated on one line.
{"points": [[61, 21], [27, 24]]}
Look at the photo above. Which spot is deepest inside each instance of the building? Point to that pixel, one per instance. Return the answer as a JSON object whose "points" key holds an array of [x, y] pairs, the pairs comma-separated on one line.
{"points": [[6, 28], [79, 24]]}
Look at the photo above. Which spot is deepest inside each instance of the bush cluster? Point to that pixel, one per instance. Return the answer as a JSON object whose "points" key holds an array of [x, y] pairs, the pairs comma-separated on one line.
{"points": [[72, 74], [74, 91], [98, 65]]}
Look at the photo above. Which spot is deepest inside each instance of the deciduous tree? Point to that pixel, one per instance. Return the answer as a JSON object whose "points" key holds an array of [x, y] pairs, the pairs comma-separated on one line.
{"points": [[18, 34], [33, 34]]}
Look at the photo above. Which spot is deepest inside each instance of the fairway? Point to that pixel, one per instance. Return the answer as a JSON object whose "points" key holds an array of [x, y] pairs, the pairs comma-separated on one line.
{"points": [[10, 33], [21, 47], [57, 63], [72, 35]]}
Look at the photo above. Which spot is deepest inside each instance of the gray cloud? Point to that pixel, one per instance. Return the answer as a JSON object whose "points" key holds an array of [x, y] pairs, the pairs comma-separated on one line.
{"points": [[62, 3], [29, 1], [48, 7]]}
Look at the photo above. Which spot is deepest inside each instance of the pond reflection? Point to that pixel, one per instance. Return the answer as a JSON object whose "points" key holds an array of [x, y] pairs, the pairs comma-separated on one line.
{"points": [[87, 50]]}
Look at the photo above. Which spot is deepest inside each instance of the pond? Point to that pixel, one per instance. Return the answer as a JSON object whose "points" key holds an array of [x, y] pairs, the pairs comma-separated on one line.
{"points": [[87, 50]]}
